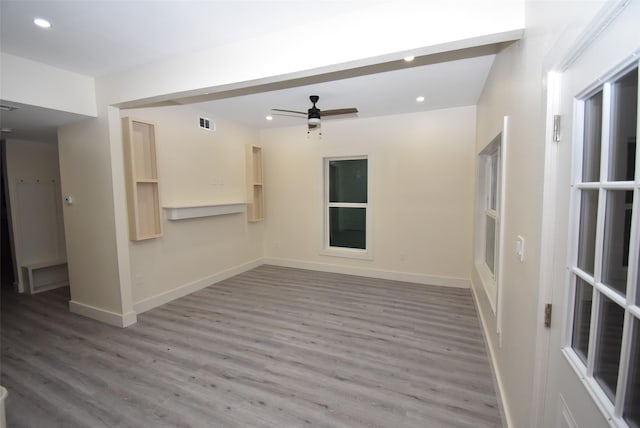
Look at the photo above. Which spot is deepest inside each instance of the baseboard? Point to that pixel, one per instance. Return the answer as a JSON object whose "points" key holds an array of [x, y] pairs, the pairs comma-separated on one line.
{"points": [[102, 315], [183, 290], [371, 273], [504, 408], [191, 287]]}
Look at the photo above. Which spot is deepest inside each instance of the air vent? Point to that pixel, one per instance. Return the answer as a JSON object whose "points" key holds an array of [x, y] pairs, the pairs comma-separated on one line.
{"points": [[207, 124]]}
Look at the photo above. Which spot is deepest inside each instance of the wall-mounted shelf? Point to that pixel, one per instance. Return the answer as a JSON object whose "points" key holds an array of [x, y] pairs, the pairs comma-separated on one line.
{"points": [[255, 191], [185, 212], [143, 199]]}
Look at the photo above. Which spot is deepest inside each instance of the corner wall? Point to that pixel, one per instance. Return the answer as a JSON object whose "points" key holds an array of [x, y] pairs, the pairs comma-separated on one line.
{"points": [[90, 223], [421, 194]]}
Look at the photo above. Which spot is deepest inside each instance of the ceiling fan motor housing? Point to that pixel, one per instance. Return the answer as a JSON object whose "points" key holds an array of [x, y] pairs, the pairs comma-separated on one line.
{"points": [[313, 114]]}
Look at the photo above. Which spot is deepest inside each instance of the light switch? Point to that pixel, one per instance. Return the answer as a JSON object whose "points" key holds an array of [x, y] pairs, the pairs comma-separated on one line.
{"points": [[520, 248]]}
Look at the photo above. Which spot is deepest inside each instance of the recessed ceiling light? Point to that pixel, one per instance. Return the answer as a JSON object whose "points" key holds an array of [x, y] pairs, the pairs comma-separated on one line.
{"points": [[409, 58], [269, 117], [420, 99], [42, 23]]}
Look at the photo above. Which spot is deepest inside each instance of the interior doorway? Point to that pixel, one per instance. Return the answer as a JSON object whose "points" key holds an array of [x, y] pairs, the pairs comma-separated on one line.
{"points": [[6, 252]]}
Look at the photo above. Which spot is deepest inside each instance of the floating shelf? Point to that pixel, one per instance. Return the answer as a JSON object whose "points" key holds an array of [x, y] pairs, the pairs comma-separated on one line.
{"points": [[185, 212]]}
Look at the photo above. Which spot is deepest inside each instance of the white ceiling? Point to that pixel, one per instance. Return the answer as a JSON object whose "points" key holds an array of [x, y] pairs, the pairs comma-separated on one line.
{"points": [[95, 38]]}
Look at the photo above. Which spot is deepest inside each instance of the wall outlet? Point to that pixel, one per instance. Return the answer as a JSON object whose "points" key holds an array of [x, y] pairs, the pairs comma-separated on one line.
{"points": [[520, 248]]}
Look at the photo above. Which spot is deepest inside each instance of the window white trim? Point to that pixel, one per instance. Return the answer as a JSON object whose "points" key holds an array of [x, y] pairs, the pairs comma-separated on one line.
{"points": [[484, 210], [353, 253]]}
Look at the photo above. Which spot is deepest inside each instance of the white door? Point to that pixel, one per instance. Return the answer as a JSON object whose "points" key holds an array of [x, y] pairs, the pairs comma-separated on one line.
{"points": [[593, 377]]}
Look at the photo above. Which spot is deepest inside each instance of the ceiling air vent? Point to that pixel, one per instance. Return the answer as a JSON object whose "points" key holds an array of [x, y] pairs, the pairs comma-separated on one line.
{"points": [[207, 124]]}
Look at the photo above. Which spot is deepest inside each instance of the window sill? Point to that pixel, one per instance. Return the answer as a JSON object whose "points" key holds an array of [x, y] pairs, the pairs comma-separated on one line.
{"points": [[488, 283], [349, 253]]}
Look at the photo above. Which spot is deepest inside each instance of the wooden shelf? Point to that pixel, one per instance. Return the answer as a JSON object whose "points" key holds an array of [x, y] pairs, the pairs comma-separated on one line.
{"points": [[186, 212], [143, 196], [255, 188]]}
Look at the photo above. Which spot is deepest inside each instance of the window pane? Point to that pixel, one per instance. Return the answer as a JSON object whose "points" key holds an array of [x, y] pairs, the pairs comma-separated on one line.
{"points": [[638, 282], [616, 239], [631, 412], [348, 180], [609, 340], [592, 138], [623, 127], [490, 243], [493, 190], [582, 319], [587, 238], [347, 227]]}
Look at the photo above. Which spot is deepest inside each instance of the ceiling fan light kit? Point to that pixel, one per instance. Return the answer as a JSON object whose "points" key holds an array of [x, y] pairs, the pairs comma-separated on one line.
{"points": [[314, 114]]}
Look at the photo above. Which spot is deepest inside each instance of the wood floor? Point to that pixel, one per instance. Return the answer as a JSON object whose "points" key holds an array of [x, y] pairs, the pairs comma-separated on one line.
{"points": [[273, 347]]}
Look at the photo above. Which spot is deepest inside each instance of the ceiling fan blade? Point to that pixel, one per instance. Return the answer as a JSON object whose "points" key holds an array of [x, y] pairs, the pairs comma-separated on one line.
{"points": [[297, 116], [290, 111], [338, 111]]}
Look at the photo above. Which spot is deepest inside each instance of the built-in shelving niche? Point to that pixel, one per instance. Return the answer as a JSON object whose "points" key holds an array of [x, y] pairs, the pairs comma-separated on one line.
{"points": [[143, 198], [255, 190]]}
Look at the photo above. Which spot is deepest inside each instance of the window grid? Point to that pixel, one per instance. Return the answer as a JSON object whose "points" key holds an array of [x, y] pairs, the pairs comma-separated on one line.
{"points": [[602, 292]]}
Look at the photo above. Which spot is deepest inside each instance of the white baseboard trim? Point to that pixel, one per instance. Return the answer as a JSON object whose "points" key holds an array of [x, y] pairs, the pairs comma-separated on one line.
{"points": [[102, 315], [191, 287], [129, 318], [371, 273], [504, 408]]}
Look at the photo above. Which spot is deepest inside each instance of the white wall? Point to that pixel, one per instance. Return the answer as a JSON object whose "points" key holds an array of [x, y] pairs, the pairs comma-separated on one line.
{"points": [[421, 193], [195, 167], [29, 82], [516, 88], [31, 161]]}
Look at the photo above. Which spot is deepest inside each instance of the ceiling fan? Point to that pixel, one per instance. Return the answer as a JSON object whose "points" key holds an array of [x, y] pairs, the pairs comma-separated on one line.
{"points": [[314, 114]]}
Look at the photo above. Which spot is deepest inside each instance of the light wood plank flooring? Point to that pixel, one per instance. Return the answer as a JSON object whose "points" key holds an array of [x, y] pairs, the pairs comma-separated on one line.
{"points": [[273, 347]]}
